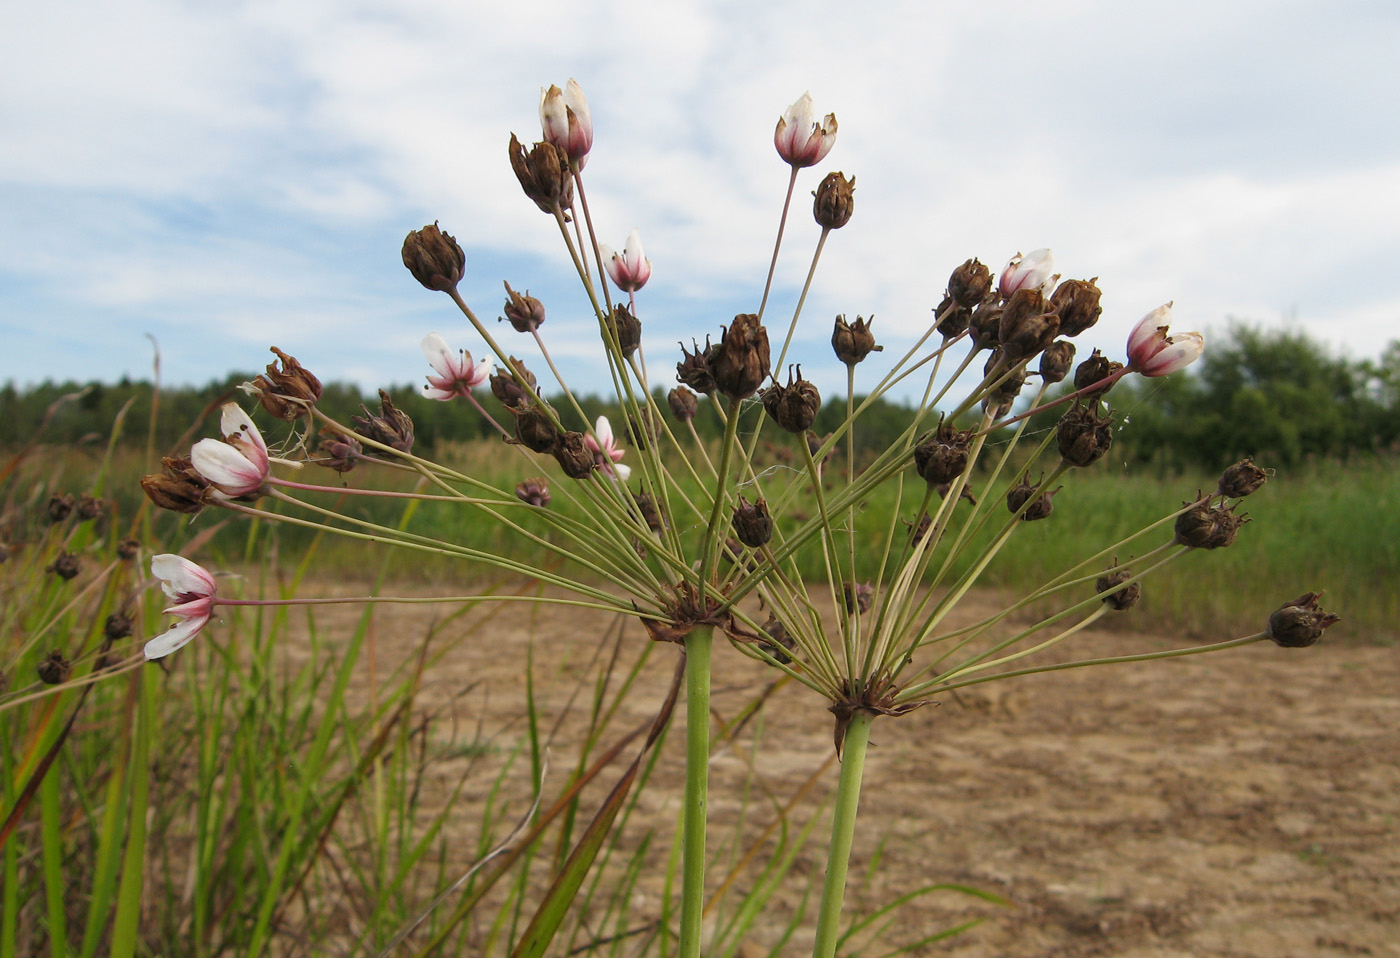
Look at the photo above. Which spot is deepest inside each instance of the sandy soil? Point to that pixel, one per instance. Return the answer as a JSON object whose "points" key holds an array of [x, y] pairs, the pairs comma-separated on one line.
{"points": [[1245, 803]]}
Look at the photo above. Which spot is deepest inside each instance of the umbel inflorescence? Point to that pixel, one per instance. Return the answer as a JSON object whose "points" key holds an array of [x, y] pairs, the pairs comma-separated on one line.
{"points": [[695, 539]]}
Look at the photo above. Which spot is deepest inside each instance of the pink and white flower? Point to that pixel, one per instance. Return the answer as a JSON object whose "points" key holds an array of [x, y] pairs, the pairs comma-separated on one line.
{"points": [[238, 465], [1153, 353], [1031, 271], [630, 270], [605, 449], [566, 121], [457, 373], [799, 138], [192, 589]]}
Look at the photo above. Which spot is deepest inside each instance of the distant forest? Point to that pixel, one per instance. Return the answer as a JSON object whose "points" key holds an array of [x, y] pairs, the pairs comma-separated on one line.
{"points": [[1275, 395]]}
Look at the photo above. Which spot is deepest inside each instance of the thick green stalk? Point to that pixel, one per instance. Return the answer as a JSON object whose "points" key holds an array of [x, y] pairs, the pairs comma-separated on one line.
{"points": [[697, 785], [843, 830]]}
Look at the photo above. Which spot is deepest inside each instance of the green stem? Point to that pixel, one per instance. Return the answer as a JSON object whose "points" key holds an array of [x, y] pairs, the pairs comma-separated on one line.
{"points": [[843, 830], [698, 645]]}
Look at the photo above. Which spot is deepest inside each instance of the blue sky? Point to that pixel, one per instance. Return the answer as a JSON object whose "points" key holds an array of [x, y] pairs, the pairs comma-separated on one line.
{"points": [[233, 176]]}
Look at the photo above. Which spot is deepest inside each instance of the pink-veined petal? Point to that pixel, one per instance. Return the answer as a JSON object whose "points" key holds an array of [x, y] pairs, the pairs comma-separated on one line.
{"points": [[179, 576], [227, 468], [440, 356], [176, 638], [238, 429]]}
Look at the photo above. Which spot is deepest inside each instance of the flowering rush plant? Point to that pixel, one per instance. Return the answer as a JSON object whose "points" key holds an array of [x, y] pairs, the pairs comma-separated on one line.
{"points": [[698, 540]]}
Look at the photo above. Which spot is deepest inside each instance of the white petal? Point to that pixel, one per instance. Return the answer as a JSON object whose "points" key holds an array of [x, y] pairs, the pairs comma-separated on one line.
{"points": [[622, 471], [179, 636], [604, 430], [234, 423], [225, 467], [440, 355], [180, 576]]}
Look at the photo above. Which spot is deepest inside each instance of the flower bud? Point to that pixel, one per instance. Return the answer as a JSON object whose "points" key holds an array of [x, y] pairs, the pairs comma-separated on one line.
{"points": [[128, 549], [752, 523], [288, 392], [1300, 623], [860, 597], [573, 456], [507, 388], [1076, 302], [835, 201], [694, 368], [89, 508], [1242, 478], [524, 312], [533, 491], [969, 284], [683, 403], [566, 120], [740, 363], [55, 668], [1023, 492], [853, 343], [392, 427], [338, 450], [942, 455], [535, 430], [65, 566], [118, 626], [626, 328], [1122, 599], [179, 487], [1026, 328], [544, 174], [1095, 369], [434, 259], [1083, 435], [794, 406], [1056, 361]]}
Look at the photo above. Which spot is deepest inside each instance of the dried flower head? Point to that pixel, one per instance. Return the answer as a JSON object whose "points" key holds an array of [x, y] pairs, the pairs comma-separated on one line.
{"points": [[59, 508], [1036, 500], [1300, 623], [1098, 368], [573, 455], [1076, 302], [852, 342], [834, 201], [534, 428], [338, 450], [625, 328], [128, 549], [1026, 327], [1084, 435], [860, 597], [119, 625], [942, 455], [970, 284], [55, 668], [1243, 478], [683, 403], [434, 258], [694, 367], [544, 175], [740, 363], [392, 427], [794, 406], [1206, 526], [508, 389], [1056, 361], [287, 391], [525, 312], [65, 565], [533, 491], [178, 487], [1115, 595], [89, 508], [752, 522]]}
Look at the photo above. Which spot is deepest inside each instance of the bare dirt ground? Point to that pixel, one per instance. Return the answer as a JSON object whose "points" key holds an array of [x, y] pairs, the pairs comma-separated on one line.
{"points": [[1245, 803]]}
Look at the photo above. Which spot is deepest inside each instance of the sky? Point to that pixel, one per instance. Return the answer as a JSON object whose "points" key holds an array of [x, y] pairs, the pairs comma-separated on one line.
{"points": [[221, 178]]}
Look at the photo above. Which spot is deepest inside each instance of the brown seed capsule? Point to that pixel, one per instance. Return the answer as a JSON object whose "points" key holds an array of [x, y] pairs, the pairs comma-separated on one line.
{"points": [[835, 201], [794, 406], [861, 597], [392, 427], [434, 258], [1095, 369], [853, 342], [118, 626], [1076, 302], [1056, 361], [60, 507], [89, 508], [969, 284], [1083, 435], [1300, 623], [1122, 599], [683, 403], [740, 363], [942, 455], [533, 491], [535, 430], [1040, 504], [984, 325], [1026, 328], [287, 392], [642, 429], [1204, 526], [1242, 478], [651, 513], [965, 493], [544, 174], [179, 487], [507, 388], [752, 523], [626, 328], [128, 549], [65, 566], [814, 445], [781, 641], [575, 458], [55, 668], [525, 313], [338, 450], [694, 367], [952, 319], [998, 401]]}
